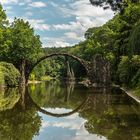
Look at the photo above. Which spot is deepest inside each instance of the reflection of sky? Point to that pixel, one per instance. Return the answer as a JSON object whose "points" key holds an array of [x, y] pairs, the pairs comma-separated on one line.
{"points": [[64, 128]]}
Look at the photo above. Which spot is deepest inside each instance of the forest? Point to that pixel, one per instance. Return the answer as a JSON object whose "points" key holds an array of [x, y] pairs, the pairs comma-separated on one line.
{"points": [[117, 41]]}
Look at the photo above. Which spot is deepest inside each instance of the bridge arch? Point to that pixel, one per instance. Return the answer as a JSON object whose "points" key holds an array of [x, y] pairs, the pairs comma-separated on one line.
{"points": [[79, 60]]}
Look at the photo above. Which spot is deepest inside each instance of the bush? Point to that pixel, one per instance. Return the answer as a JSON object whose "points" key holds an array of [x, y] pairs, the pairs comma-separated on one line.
{"points": [[1, 77], [9, 75], [129, 71]]}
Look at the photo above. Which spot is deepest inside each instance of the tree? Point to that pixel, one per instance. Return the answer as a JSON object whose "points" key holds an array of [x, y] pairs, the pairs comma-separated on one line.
{"points": [[116, 5], [9, 75], [25, 44], [17, 123], [21, 46], [134, 41], [4, 34], [3, 18]]}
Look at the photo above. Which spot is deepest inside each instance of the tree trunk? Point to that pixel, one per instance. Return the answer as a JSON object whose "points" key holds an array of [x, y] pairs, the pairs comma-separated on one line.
{"points": [[22, 72]]}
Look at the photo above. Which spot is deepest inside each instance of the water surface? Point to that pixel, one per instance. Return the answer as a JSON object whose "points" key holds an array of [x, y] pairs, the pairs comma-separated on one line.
{"points": [[67, 111]]}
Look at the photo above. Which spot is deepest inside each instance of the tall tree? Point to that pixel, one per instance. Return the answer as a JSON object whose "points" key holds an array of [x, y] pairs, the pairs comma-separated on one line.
{"points": [[4, 42], [3, 18], [25, 44], [115, 5]]}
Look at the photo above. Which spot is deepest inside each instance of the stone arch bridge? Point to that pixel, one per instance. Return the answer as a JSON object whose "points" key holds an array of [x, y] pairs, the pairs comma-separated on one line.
{"points": [[98, 69]]}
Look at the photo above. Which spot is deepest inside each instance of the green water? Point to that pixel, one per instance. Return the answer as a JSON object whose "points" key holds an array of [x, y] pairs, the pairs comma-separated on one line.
{"points": [[67, 111]]}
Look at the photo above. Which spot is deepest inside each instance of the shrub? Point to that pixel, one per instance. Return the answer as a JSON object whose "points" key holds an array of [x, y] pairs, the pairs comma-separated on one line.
{"points": [[9, 75], [129, 71]]}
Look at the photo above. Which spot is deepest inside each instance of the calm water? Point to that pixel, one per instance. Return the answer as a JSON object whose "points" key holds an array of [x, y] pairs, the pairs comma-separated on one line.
{"points": [[56, 111]]}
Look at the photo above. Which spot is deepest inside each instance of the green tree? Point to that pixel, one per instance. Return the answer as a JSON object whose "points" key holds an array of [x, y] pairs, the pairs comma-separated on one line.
{"points": [[116, 5], [3, 17], [9, 74], [25, 44], [134, 41], [17, 123]]}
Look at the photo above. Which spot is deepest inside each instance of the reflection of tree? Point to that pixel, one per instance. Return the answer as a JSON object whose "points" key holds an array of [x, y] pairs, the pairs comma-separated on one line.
{"points": [[69, 90], [109, 113], [8, 98], [114, 116], [19, 124], [56, 94], [79, 108]]}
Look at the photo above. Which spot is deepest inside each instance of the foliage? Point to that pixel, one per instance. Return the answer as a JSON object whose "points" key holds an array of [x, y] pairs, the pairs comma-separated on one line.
{"points": [[25, 43], [17, 123], [116, 5], [50, 67], [20, 43], [113, 117], [8, 98], [134, 41], [9, 74], [1, 77], [3, 17], [46, 78], [118, 41]]}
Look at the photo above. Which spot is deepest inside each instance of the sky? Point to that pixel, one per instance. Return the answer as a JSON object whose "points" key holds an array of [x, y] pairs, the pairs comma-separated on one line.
{"points": [[59, 23], [65, 128]]}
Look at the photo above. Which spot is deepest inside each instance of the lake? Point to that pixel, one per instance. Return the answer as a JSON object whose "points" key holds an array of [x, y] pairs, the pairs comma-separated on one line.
{"points": [[68, 111]]}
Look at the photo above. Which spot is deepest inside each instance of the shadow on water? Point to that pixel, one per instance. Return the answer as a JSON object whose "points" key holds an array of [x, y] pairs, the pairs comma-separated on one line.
{"points": [[107, 114]]}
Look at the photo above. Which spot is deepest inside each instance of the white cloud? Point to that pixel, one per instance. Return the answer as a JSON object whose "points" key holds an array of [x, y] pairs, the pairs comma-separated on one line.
{"points": [[53, 4], [38, 4], [58, 110], [73, 123], [69, 124], [83, 14], [73, 36], [62, 41], [28, 13], [69, 26], [21, 4], [8, 8], [86, 16], [57, 43], [38, 24], [76, 125], [8, 2], [75, 30]]}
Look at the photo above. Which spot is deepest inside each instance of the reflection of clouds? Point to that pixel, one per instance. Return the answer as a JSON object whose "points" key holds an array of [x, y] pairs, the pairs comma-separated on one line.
{"points": [[72, 122], [83, 134], [73, 116], [88, 137], [72, 125], [58, 110], [70, 128]]}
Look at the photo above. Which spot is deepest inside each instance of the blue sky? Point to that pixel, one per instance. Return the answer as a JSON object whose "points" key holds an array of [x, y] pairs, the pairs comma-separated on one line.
{"points": [[59, 23], [64, 128]]}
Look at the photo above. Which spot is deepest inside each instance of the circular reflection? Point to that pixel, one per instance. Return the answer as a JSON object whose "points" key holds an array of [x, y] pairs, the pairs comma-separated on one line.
{"points": [[9, 98], [80, 107]]}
